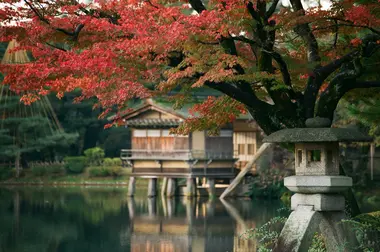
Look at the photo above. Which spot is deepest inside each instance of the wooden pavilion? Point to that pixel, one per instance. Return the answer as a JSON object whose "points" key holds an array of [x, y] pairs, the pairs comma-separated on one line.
{"points": [[156, 153]]}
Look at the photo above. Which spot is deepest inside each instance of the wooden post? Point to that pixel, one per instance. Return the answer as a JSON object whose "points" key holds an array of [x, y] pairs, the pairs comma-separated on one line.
{"points": [[210, 207], [152, 206], [189, 211], [164, 205], [246, 169], [152, 187], [171, 206], [190, 187], [131, 187], [172, 184], [164, 186], [211, 188], [131, 207]]}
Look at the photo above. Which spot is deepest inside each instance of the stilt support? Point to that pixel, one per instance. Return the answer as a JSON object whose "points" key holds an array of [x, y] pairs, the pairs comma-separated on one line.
{"points": [[164, 186], [152, 208], [190, 187], [152, 187], [171, 206], [131, 187], [211, 188], [171, 188]]}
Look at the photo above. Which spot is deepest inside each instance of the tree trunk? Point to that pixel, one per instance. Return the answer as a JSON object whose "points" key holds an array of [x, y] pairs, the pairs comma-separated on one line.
{"points": [[17, 164]]}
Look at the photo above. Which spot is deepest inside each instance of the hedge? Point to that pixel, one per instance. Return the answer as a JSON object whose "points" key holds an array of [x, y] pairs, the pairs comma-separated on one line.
{"points": [[75, 164]]}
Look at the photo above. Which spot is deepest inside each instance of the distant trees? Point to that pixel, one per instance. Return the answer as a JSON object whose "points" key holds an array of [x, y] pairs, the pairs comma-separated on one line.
{"points": [[27, 129], [83, 119]]}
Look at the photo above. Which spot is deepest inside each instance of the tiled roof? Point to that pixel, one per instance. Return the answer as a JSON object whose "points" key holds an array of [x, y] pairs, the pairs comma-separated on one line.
{"points": [[307, 135], [167, 106], [153, 122]]}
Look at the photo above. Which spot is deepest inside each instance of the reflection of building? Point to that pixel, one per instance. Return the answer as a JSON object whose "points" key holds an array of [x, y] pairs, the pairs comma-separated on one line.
{"points": [[205, 228], [156, 153]]}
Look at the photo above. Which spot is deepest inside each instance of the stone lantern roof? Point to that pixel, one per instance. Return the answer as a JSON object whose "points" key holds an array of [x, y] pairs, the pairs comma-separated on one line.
{"points": [[317, 130]]}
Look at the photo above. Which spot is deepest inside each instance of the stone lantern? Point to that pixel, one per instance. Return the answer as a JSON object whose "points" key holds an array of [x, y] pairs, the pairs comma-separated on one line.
{"points": [[317, 203]]}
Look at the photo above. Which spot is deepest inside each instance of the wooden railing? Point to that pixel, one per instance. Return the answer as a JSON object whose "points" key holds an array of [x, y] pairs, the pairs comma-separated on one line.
{"points": [[128, 154]]}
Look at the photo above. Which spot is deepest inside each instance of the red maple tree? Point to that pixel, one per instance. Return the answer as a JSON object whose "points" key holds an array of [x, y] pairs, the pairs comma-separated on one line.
{"points": [[281, 64]]}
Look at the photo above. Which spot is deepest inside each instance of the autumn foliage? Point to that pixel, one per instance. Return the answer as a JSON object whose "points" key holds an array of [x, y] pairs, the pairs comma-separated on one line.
{"points": [[282, 64]]}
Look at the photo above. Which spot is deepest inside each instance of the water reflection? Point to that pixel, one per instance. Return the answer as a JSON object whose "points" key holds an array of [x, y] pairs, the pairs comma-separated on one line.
{"points": [[77, 219]]}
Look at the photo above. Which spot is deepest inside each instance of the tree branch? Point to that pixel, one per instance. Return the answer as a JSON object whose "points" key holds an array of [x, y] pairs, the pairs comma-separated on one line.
{"points": [[330, 98], [56, 47], [283, 68], [249, 99], [74, 34], [307, 35], [272, 9], [369, 47], [325, 71], [252, 12], [197, 5]]}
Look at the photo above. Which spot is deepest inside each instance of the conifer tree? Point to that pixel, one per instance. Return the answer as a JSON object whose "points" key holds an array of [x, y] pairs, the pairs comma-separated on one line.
{"points": [[26, 129]]}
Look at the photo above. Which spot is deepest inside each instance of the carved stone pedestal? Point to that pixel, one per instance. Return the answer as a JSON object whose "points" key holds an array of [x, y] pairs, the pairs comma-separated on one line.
{"points": [[304, 222]]}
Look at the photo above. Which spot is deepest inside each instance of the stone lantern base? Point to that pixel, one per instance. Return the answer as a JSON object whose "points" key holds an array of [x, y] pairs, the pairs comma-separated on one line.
{"points": [[319, 202], [318, 207], [317, 184], [304, 222]]}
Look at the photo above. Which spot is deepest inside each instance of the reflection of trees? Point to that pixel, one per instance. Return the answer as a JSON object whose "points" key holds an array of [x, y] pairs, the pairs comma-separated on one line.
{"points": [[22, 232], [50, 220], [92, 205]]}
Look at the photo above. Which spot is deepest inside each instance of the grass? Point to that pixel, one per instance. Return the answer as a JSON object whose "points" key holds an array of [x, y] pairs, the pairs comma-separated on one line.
{"points": [[80, 179]]}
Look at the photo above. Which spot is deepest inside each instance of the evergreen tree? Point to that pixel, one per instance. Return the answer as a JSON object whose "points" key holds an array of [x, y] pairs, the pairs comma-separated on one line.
{"points": [[82, 118], [365, 113], [27, 130]]}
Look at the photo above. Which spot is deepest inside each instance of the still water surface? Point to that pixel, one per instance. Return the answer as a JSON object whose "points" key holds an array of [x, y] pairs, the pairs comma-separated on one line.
{"points": [[47, 219]]}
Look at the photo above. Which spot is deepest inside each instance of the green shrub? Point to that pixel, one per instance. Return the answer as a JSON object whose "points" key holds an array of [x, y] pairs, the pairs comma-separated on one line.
{"points": [[112, 162], [105, 171], [94, 156], [54, 168], [75, 164], [268, 184], [95, 172], [115, 171], [39, 170], [318, 243]]}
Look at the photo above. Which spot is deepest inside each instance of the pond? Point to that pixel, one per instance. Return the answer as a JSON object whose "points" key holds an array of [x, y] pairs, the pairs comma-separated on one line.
{"points": [[37, 219]]}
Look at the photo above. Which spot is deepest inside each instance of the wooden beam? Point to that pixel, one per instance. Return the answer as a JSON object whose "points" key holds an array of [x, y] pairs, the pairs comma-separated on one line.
{"points": [[246, 169]]}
